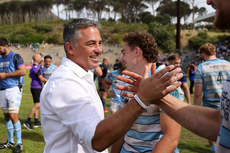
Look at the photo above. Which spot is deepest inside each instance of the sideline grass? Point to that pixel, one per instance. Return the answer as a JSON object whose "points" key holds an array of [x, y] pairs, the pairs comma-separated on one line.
{"points": [[33, 140]]}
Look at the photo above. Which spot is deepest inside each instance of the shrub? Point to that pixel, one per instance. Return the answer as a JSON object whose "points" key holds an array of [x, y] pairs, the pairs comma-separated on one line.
{"points": [[53, 39], [213, 40], [116, 39], [162, 36], [196, 42], [26, 36], [43, 28], [203, 35], [169, 46]]}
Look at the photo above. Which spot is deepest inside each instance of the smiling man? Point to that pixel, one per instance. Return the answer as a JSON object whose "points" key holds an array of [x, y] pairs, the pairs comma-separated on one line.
{"points": [[72, 114], [48, 67]]}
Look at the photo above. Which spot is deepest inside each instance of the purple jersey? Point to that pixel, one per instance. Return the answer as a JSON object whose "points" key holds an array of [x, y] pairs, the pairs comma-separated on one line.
{"points": [[35, 71]]}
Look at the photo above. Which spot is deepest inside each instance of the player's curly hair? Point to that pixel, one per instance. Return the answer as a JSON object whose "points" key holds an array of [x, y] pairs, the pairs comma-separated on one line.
{"points": [[145, 42]]}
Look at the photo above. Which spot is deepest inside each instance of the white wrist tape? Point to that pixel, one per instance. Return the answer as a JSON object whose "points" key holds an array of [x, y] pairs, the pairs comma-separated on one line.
{"points": [[140, 102]]}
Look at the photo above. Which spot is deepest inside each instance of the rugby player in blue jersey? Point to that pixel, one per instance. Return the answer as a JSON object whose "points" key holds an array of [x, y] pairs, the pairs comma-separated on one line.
{"points": [[12, 70], [209, 80], [48, 67]]}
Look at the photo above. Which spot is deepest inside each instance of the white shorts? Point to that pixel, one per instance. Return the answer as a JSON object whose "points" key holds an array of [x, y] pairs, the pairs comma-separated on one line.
{"points": [[10, 100]]}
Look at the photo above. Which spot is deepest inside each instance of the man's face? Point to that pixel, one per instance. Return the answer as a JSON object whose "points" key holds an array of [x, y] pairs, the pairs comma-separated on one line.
{"points": [[88, 48], [222, 13], [3, 50], [128, 57], [176, 62], [47, 62]]}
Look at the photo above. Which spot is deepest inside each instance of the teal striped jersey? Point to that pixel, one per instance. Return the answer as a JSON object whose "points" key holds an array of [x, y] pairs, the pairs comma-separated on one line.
{"points": [[212, 74]]}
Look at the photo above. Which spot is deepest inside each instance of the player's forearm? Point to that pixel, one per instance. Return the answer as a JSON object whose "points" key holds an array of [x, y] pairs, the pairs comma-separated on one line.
{"points": [[166, 144], [194, 118], [17, 73], [41, 78], [115, 126]]}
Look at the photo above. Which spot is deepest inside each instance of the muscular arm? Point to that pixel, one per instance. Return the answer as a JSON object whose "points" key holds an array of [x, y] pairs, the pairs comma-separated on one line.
{"points": [[21, 71], [186, 92], [171, 130], [198, 94], [116, 125], [203, 121]]}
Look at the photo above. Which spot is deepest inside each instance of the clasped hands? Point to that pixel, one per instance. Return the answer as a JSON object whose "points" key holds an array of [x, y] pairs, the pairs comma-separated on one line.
{"points": [[151, 89]]}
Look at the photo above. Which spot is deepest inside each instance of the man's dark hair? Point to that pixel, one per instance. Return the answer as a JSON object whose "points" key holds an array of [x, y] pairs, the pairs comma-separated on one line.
{"points": [[47, 56], [174, 57], [145, 42], [3, 41], [71, 29]]}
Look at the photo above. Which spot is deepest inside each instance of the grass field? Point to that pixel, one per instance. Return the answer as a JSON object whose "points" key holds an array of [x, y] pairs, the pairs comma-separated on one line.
{"points": [[33, 141]]}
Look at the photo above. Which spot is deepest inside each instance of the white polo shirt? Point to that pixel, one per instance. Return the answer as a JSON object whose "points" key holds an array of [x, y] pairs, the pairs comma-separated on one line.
{"points": [[70, 110]]}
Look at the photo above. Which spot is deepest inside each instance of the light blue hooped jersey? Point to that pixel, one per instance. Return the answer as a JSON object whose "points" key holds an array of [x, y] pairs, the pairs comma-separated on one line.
{"points": [[48, 71], [145, 133], [212, 74]]}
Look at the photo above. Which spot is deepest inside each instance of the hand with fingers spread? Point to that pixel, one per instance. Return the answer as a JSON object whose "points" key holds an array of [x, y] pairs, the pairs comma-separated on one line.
{"points": [[134, 82], [154, 87]]}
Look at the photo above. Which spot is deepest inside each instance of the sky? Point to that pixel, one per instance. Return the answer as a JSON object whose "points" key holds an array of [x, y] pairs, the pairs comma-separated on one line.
{"points": [[199, 3]]}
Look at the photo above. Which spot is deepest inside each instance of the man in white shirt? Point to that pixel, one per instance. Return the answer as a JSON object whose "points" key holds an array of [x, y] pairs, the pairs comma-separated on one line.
{"points": [[72, 114]]}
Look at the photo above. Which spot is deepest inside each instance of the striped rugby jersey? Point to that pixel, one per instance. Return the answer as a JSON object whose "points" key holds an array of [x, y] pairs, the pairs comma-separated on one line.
{"points": [[146, 131], [212, 74]]}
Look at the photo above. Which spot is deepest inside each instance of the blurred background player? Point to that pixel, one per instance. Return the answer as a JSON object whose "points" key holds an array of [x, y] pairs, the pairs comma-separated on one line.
{"points": [[105, 68], [115, 95], [37, 80], [175, 60], [48, 67]]}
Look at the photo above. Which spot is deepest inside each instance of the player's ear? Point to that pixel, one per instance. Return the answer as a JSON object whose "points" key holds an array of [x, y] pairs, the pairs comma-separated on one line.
{"points": [[138, 51]]}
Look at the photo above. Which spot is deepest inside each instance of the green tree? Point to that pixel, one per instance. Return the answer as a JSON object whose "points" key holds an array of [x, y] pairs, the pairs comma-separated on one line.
{"points": [[98, 6], [153, 3], [163, 37], [185, 10], [57, 3]]}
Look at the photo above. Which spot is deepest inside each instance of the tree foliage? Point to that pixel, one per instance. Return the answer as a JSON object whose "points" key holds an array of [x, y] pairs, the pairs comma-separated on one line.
{"points": [[163, 36]]}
